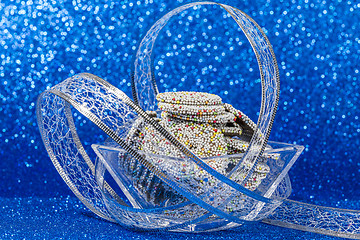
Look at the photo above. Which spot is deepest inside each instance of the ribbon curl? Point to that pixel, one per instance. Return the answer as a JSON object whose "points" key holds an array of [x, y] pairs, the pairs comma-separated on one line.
{"points": [[225, 202]]}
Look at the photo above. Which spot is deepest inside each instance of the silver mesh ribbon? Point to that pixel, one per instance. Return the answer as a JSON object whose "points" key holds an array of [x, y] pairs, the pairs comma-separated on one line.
{"points": [[221, 203]]}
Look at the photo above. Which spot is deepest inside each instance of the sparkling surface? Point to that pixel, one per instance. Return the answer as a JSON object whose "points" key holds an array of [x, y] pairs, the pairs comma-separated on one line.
{"points": [[316, 43], [67, 218]]}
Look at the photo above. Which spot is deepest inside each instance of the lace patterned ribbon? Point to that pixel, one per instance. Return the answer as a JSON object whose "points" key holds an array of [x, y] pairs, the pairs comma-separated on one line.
{"points": [[114, 113]]}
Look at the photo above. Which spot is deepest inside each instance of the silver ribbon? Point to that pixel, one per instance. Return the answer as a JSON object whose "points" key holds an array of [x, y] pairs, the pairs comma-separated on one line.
{"points": [[114, 113]]}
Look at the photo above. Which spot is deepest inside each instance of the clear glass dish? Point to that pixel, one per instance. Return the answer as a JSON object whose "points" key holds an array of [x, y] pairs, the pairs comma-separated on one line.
{"points": [[136, 211]]}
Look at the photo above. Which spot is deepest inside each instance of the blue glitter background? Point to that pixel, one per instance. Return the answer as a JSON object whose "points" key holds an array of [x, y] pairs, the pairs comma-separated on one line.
{"points": [[42, 42]]}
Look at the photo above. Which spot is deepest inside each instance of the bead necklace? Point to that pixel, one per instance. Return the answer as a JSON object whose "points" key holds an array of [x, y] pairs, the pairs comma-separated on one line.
{"points": [[189, 98], [207, 127]]}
